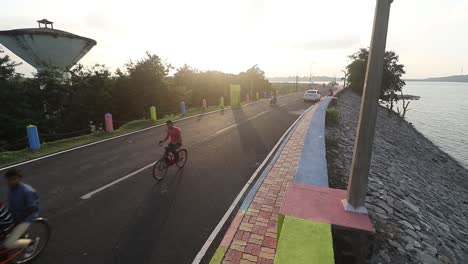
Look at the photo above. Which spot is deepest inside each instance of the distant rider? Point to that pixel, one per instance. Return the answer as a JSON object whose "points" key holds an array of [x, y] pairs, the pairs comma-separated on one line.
{"points": [[175, 136], [273, 100]]}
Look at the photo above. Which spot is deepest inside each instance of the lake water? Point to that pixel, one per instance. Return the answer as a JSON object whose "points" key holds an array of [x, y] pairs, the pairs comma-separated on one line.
{"points": [[441, 114]]}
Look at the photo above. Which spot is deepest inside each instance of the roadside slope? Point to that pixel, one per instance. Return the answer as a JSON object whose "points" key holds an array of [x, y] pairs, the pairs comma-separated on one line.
{"points": [[417, 196]]}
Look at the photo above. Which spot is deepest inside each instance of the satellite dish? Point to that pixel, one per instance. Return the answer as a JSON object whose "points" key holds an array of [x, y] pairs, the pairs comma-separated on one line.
{"points": [[45, 46]]}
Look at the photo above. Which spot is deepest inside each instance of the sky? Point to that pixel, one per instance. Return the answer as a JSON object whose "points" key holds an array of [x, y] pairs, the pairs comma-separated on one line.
{"points": [[284, 38]]}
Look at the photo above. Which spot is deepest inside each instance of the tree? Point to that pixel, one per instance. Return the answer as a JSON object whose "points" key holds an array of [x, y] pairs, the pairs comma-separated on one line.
{"points": [[63, 109], [391, 80], [147, 85], [253, 80], [7, 68]]}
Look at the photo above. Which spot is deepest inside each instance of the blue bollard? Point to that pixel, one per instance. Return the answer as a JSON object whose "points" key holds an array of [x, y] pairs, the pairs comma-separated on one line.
{"points": [[33, 137], [183, 111]]}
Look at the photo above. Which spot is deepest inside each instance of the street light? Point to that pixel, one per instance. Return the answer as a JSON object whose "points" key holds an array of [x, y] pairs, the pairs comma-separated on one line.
{"points": [[357, 186], [346, 73]]}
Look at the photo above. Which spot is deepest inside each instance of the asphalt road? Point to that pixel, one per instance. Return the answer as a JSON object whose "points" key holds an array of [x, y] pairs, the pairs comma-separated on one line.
{"points": [[136, 220]]}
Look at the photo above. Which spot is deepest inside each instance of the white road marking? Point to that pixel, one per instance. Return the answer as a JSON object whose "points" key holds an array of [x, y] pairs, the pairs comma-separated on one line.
{"points": [[89, 195], [224, 129], [221, 223], [235, 125], [138, 131], [257, 115]]}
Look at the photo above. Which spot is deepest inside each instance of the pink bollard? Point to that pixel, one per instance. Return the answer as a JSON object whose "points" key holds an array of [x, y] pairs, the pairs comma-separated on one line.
{"points": [[109, 123], [204, 104]]}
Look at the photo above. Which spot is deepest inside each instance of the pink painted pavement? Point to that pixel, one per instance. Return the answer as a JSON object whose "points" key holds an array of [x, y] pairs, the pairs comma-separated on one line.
{"points": [[320, 204], [255, 236]]}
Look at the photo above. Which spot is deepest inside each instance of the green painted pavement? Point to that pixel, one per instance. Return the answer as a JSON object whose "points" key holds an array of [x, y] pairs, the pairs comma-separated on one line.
{"points": [[304, 242], [218, 255]]}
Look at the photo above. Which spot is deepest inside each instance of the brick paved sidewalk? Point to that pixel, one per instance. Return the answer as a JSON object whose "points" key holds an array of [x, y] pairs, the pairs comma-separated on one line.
{"points": [[254, 239]]}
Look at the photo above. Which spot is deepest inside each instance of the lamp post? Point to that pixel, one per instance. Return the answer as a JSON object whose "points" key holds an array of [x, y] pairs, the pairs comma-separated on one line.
{"points": [[346, 73], [357, 186]]}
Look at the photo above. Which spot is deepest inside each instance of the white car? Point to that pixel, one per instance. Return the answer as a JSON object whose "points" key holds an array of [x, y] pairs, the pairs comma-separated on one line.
{"points": [[312, 95]]}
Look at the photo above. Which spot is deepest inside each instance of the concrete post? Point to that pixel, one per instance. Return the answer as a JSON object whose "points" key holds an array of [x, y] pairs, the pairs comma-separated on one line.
{"points": [[109, 123], [183, 110], [153, 113], [33, 137], [362, 153]]}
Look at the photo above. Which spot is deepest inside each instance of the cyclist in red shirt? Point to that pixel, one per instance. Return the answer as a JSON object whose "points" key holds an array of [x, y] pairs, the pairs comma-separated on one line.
{"points": [[175, 142]]}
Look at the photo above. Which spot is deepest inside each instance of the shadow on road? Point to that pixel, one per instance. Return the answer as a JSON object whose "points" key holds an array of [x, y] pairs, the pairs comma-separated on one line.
{"points": [[140, 238], [250, 138]]}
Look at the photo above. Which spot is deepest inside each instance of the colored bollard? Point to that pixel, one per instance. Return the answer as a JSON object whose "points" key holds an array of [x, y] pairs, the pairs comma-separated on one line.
{"points": [[247, 98], [221, 102], [257, 96], [109, 123], [265, 94], [204, 104], [234, 95], [183, 110], [153, 113], [33, 137], [276, 93]]}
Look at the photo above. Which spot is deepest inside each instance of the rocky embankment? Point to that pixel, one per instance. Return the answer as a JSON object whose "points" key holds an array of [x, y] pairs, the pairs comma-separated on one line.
{"points": [[417, 196]]}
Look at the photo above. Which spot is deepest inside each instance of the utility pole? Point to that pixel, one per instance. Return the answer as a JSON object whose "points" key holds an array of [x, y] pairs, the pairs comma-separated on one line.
{"points": [[357, 186]]}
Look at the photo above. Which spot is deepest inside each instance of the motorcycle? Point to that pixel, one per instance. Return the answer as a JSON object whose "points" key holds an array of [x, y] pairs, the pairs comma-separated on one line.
{"points": [[273, 101]]}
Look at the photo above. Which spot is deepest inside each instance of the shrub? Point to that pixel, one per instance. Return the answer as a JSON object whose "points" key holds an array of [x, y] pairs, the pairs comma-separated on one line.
{"points": [[333, 116]]}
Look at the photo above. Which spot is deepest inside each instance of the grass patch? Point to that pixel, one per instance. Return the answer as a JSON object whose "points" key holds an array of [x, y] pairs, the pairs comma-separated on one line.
{"points": [[12, 157]]}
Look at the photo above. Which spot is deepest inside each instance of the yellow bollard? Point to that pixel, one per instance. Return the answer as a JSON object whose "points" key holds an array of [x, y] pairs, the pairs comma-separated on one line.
{"points": [[153, 113]]}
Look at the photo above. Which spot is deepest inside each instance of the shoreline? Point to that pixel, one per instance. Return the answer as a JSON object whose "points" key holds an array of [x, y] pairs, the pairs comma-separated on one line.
{"points": [[416, 193]]}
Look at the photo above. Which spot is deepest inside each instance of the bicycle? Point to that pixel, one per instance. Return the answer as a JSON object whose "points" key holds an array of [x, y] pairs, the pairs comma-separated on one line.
{"points": [[38, 232], [167, 160]]}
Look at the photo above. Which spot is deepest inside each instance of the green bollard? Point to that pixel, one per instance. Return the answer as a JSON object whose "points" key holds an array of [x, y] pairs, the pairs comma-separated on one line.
{"points": [[221, 102], [153, 113]]}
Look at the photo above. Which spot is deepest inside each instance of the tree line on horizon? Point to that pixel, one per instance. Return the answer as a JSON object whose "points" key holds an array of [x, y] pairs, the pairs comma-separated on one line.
{"points": [[63, 109]]}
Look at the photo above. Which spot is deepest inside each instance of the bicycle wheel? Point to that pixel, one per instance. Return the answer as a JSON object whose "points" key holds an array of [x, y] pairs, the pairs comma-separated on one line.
{"points": [[182, 158], [159, 169], [39, 233]]}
